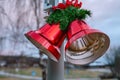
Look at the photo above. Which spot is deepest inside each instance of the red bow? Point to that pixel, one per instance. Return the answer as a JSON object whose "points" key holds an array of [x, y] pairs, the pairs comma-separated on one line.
{"points": [[67, 4]]}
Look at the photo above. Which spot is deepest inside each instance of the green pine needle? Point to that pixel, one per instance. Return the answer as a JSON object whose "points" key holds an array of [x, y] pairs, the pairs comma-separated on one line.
{"points": [[66, 16]]}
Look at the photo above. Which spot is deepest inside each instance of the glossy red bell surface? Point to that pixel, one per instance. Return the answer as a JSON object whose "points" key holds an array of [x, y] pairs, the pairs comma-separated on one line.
{"points": [[48, 39], [84, 44]]}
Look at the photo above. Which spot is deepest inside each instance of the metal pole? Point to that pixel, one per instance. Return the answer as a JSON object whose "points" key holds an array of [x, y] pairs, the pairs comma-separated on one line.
{"points": [[55, 70]]}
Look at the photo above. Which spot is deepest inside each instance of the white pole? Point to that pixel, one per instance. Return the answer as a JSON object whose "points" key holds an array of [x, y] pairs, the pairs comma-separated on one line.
{"points": [[55, 70]]}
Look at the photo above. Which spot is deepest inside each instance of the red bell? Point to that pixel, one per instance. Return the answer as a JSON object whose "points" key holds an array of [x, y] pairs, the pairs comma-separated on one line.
{"points": [[48, 39], [84, 44]]}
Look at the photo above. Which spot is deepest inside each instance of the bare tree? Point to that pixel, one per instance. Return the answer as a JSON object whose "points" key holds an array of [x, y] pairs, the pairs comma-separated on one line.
{"points": [[39, 12], [113, 59], [17, 15]]}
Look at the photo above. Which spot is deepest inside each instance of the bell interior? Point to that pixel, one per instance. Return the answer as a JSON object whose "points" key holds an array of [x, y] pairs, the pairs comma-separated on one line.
{"points": [[88, 47]]}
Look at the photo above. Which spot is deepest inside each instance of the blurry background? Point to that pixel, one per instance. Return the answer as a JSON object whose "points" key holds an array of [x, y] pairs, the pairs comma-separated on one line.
{"points": [[19, 56]]}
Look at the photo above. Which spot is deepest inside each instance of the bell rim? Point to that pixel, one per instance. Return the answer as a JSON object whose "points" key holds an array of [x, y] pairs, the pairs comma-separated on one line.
{"points": [[53, 50], [77, 61]]}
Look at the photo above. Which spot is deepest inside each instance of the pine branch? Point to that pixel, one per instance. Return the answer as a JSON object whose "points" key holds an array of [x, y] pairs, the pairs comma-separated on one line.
{"points": [[66, 16]]}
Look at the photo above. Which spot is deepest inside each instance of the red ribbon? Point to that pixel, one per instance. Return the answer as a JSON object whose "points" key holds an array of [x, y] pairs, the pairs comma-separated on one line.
{"points": [[67, 4]]}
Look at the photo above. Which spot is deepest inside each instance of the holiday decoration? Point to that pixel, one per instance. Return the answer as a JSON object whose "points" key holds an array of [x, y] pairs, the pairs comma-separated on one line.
{"points": [[66, 13], [84, 44], [48, 39]]}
